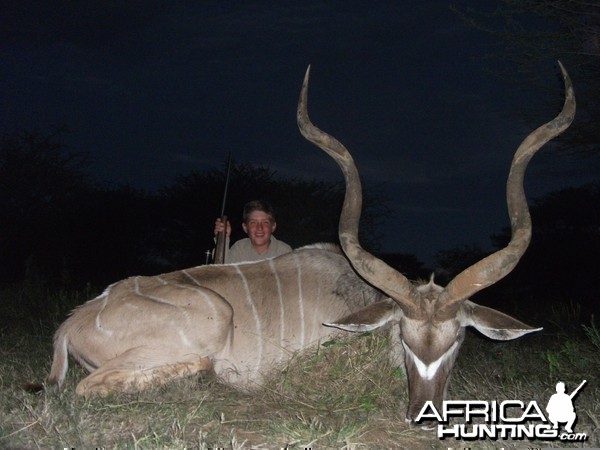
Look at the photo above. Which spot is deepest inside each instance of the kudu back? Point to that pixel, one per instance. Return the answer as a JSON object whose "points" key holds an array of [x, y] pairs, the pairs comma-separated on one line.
{"points": [[243, 320]]}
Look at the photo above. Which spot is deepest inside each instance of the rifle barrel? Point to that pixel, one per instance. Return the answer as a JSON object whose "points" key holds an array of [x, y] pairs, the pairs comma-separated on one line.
{"points": [[226, 185], [577, 390]]}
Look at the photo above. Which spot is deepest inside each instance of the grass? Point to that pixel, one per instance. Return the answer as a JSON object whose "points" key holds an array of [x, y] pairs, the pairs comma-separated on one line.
{"points": [[344, 394]]}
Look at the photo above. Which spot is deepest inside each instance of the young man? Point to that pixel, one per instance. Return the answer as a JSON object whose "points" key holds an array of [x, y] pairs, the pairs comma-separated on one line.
{"points": [[259, 224]]}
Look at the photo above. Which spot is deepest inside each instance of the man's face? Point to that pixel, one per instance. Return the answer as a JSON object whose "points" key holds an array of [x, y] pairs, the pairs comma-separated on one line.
{"points": [[259, 226]]}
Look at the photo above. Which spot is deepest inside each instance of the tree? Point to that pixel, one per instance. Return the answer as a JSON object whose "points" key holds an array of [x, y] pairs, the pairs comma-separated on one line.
{"points": [[35, 175], [55, 223], [407, 264], [57, 226], [101, 234], [307, 212], [563, 259], [451, 262], [534, 35]]}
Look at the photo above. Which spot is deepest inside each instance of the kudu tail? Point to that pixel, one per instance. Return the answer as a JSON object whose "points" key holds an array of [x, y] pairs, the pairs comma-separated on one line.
{"points": [[60, 364], [60, 360]]}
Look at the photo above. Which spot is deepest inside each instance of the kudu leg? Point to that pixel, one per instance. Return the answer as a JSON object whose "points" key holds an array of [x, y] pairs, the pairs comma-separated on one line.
{"points": [[124, 373]]}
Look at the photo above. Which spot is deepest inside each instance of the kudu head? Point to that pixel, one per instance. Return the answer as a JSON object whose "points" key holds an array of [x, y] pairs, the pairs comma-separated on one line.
{"points": [[432, 318]]}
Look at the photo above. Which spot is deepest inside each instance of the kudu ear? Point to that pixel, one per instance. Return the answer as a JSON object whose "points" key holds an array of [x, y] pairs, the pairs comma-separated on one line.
{"points": [[492, 323], [370, 317]]}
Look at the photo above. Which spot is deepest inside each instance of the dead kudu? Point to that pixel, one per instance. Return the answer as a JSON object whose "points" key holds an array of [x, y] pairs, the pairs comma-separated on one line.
{"points": [[242, 320]]}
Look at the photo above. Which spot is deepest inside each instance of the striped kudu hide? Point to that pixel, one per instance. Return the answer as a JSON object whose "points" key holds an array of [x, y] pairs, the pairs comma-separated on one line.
{"points": [[242, 320]]}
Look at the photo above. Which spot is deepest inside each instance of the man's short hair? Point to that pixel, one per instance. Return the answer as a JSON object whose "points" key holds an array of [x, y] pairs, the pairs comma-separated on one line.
{"points": [[258, 205]]}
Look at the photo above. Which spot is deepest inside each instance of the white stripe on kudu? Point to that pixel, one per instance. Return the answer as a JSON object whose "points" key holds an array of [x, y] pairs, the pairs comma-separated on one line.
{"points": [[281, 306], [259, 333], [428, 371], [300, 303]]}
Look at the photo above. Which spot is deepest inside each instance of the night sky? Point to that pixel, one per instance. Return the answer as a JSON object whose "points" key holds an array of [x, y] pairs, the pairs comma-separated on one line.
{"points": [[152, 90]]}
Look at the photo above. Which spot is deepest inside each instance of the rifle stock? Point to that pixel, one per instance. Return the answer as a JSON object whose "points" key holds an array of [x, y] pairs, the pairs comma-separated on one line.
{"points": [[221, 244]]}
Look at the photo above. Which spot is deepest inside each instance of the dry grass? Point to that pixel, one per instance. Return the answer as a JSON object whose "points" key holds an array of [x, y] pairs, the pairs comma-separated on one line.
{"points": [[344, 394]]}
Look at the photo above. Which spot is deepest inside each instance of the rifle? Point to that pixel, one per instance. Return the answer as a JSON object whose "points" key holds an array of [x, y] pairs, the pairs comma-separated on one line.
{"points": [[574, 393], [221, 244]]}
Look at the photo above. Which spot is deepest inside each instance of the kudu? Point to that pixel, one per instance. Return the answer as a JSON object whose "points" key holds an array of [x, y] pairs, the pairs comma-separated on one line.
{"points": [[242, 320], [432, 319]]}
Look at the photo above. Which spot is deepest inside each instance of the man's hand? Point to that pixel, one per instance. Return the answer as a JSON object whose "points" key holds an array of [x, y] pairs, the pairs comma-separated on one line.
{"points": [[219, 227]]}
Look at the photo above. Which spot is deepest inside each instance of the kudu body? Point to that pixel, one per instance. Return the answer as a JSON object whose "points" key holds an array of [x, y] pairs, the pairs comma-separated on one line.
{"points": [[241, 320]]}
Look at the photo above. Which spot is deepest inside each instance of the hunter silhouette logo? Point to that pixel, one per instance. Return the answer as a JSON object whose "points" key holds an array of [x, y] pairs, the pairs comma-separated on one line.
{"points": [[560, 407], [508, 419]]}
